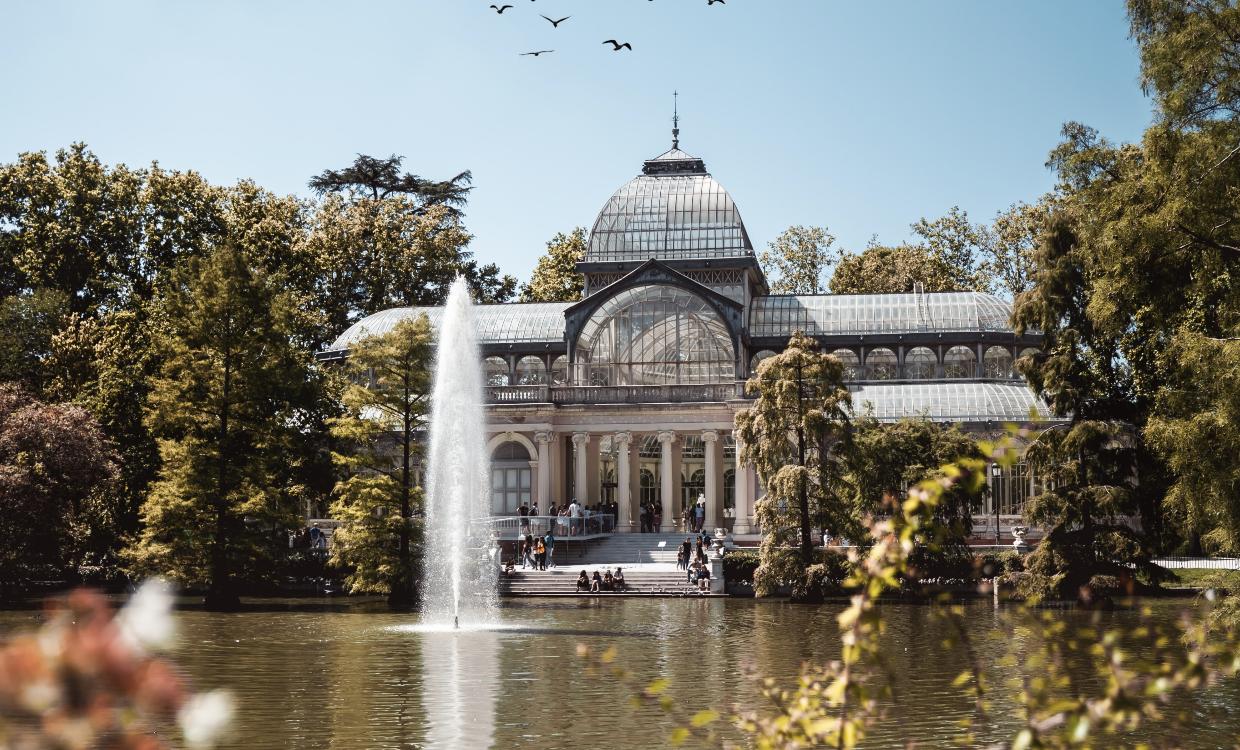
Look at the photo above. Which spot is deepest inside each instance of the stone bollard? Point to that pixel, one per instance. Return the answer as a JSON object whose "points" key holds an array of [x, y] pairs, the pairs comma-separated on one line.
{"points": [[716, 575]]}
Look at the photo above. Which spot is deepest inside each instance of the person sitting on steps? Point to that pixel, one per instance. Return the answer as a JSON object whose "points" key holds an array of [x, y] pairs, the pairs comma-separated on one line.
{"points": [[596, 583], [583, 582], [618, 578]]}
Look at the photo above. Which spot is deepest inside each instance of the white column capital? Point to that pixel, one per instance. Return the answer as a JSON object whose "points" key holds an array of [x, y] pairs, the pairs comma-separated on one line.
{"points": [[581, 439], [543, 437], [667, 438], [710, 436], [623, 440]]}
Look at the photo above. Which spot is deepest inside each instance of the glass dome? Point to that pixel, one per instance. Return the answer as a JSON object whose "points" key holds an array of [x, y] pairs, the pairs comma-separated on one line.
{"points": [[673, 211], [654, 335]]}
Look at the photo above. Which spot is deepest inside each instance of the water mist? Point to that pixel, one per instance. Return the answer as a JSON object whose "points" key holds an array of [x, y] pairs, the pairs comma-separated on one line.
{"points": [[459, 574]]}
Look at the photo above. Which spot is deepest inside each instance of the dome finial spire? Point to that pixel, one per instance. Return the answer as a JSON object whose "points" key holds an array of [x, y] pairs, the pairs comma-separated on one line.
{"points": [[675, 119]]}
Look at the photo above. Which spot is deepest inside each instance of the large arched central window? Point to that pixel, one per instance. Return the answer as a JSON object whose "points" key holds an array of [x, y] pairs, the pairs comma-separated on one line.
{"points": [[654, 335]]}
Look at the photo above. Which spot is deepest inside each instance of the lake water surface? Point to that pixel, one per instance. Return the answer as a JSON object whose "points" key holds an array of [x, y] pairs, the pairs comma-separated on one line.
{"points": [[339, 674]]}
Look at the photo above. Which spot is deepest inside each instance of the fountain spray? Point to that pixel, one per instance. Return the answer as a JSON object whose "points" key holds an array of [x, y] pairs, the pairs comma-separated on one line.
{"points": [[460, 577]]}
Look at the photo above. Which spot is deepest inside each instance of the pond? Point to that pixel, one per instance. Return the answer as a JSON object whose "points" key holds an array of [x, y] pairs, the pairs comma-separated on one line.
{"points": [[344, 674]]}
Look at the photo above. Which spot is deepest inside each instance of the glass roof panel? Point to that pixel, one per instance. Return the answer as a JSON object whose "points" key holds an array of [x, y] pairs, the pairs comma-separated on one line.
{"points": [[675, 213], [541, 322], [948, 401], [827, 314]]}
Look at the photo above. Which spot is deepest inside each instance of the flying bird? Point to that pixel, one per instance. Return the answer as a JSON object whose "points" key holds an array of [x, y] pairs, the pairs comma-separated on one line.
{"points": [[617, 46], [537, 52], [712, 2], [500, 9], [556, 24]]}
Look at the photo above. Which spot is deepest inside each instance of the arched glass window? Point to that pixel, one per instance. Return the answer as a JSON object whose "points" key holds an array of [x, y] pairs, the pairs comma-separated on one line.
{"points": [[852, 365], [756, 360], [654, 335], [919, 363], [531, 371], [649, 487], [496, 371], [650, 447], [559, 370], [959, 362], [997, 362], [880, 364], [511, 478], [510, 451]]}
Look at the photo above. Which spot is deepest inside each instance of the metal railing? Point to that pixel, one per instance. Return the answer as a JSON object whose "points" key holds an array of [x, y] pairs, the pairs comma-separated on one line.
{"points": [[566, 527], [613, 394], [1199, 563]]}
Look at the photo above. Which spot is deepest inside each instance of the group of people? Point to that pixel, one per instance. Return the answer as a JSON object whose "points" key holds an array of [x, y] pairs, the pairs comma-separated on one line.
{"points": [[651, 517], [606, 582], [693, 516], [537, 552], [573, 518], [694, 561]]}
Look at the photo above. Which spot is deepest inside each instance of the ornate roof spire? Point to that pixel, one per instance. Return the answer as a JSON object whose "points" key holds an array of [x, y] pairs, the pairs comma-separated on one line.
{"points": [[675, 119]]}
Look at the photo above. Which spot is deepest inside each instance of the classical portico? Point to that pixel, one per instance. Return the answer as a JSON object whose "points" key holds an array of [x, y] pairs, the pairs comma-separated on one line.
{"points": [[605, 469]]}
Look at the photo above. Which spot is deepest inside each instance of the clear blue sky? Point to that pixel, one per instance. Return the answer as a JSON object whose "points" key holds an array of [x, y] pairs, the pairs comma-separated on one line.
{"points": [[863, 116]]}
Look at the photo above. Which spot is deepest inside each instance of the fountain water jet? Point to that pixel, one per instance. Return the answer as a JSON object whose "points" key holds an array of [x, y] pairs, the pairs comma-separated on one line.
{"points": [[458, 573]]}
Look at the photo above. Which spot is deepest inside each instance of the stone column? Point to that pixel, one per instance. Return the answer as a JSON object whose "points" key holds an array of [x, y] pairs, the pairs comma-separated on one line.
{"points": [[593, 493], [543, 440], [744, 501], [580, 481], [624, 484], [714, 499], [667, 481]]}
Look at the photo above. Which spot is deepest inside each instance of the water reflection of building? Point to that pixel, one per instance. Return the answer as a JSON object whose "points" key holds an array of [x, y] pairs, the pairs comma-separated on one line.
{"points": [[629, 395]]}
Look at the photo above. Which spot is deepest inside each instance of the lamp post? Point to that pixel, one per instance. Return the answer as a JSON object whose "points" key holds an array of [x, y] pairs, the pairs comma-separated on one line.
{"points": [[996, 473]]}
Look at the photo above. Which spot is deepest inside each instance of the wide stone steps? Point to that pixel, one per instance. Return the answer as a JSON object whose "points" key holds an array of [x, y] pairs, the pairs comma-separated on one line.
{"points": [[563, 582], [629, 549]]}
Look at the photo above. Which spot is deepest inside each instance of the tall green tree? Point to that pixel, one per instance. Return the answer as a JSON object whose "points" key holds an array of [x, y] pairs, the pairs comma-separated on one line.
{"points": [[960, 245], [30, 322], [794, 435], [798, 259], [386, 409], [231, 397], [1008, 255], [1156, 258], [1090, 461], [73, 225], [401, 237], [556, 278], [884, 460], [378, 178], [890, 270]]}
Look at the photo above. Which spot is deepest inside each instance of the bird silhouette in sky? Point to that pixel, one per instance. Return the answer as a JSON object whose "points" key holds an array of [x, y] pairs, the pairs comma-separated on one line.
{"points": [[556, 24], [499, 9], [536, 53], [617, 46], [712, 2]]}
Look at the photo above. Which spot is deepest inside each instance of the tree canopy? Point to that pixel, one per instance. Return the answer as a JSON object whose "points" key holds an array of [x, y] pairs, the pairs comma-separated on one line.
{"points": [[796, 262], [379, 435], [555, 278]]}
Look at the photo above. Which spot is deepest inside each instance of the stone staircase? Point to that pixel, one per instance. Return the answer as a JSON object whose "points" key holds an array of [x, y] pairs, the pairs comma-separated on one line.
{"points": [[628, 549], [563, 582]]}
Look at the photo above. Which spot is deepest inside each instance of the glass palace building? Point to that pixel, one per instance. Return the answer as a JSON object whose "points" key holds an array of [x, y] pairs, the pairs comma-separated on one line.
{"points": [[628, 396]]}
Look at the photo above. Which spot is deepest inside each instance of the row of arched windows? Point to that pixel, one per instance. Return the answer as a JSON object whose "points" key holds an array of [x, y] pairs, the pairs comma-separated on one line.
{"points": [[920, 363], [881, 363], [530, 370]]}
